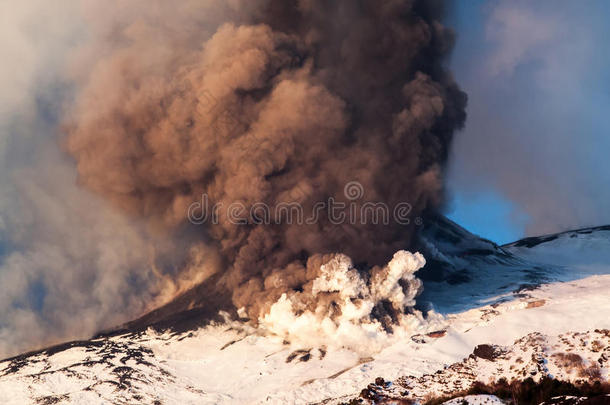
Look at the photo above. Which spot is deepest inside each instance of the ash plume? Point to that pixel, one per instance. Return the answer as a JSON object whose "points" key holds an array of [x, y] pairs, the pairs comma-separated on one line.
{"points": [[270, 102]]}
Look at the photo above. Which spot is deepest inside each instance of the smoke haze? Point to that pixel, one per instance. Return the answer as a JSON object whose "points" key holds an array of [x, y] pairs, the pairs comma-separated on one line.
{"points": [[537, 128], [67, 263]]}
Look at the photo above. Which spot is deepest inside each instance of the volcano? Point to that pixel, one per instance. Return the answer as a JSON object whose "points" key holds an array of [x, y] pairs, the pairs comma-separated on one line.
{"points": [[462, 270], [508, 312]]}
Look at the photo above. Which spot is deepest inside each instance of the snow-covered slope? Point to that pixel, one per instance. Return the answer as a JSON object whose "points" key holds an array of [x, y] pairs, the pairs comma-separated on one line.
{"points": [[582, 252], [512, 311], [464, 271]]}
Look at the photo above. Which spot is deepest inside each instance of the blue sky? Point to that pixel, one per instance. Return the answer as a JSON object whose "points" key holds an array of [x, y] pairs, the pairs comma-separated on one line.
{"points": [[489, 214], [533, 156]]}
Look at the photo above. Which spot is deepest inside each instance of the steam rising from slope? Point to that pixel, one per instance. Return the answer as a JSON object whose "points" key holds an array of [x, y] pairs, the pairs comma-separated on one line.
{"points": [[68, 263], [345, 308], [269, 102]]}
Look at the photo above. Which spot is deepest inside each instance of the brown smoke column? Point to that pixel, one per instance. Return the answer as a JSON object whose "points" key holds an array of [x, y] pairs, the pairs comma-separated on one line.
{"points": [[267, 102]]}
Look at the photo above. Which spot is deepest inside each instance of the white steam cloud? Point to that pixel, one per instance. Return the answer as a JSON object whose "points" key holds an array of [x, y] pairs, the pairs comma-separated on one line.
{"points": [[344, 308]]}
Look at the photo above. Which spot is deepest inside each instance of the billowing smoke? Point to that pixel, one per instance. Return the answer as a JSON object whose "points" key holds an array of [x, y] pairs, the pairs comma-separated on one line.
{"points": [[266, 103], [117, 118]]}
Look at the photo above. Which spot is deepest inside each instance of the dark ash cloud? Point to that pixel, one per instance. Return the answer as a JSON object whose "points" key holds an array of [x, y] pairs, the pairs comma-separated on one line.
{"points": [[318, 94]]}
